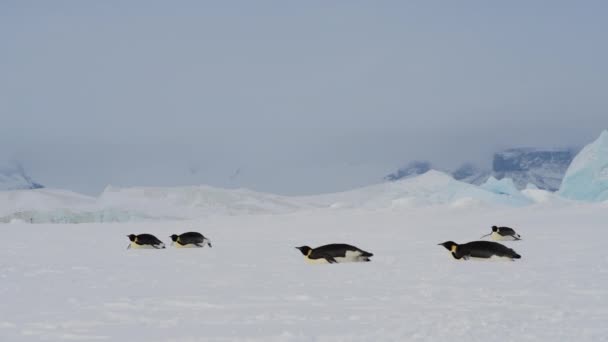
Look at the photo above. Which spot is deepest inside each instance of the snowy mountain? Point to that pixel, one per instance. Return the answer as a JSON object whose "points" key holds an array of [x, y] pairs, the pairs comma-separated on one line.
{"points": [[467, 173], [14, 177], [587, 177], [471, 174], [414, 168], [544, 168]]}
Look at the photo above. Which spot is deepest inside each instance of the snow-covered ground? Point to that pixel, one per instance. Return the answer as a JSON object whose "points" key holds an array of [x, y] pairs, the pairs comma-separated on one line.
{"points": [[78, 282]]}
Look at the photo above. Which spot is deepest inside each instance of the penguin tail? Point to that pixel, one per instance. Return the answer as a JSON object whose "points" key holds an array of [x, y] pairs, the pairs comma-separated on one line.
{"points": [[516, 256], [366, 254]]}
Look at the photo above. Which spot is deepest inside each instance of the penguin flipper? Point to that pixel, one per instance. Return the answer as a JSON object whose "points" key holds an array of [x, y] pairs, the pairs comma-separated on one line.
{"points": [[458, 256], [331, 260]]}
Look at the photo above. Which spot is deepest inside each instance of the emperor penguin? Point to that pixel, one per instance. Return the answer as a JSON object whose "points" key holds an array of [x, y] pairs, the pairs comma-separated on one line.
{"points": [[480, 250], [190, 240], [145, 241], [334, 253], [503, 234]]}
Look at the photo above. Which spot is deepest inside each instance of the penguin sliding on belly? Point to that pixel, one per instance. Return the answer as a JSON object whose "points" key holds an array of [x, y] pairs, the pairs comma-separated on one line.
{"points": [[148, 241], [480, 250], [503, 234], [190, 240], [334, 253]]}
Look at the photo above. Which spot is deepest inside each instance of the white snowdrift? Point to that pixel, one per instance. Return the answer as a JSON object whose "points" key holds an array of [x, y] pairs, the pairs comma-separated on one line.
{"points": [[431, 188], [157, 203]]}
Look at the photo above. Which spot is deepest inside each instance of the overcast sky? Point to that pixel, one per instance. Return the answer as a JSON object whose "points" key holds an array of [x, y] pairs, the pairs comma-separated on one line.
{"points": [[291, 96]]}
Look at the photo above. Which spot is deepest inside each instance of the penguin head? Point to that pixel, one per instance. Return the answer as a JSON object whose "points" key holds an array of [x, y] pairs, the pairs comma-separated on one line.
{"points": [[174, 237], [448, 245], [132, 237], [304, 249], [494, 228]]}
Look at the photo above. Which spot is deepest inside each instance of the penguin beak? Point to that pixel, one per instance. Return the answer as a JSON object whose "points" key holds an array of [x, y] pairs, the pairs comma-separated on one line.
{"points": [[485, 235]]}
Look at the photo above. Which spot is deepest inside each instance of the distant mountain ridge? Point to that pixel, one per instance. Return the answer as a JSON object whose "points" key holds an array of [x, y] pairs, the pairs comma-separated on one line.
{"points": [[543, 168], [14, 177]]}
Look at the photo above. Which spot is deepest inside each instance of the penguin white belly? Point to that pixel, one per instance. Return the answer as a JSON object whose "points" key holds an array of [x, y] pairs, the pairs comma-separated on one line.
{"points": [[136, 246], [497, 237], [315, 261], [492, 258], [351, 256]]}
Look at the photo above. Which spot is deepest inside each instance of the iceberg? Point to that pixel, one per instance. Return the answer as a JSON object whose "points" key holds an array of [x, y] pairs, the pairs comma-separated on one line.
{"points": [[587, 177], [503, 186]]}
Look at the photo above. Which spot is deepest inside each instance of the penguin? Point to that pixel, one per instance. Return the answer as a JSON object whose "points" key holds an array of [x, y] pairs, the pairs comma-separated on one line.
{"points": [[145, 241], [334, 253], [480, 250], [190, 240], [503, 234]]}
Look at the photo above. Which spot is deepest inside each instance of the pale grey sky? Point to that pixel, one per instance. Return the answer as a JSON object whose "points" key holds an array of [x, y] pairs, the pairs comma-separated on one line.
{"points": [[291, 97]]}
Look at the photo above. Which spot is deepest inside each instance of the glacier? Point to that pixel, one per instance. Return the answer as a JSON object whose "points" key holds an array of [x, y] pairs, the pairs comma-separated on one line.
{"points": [[587, 176]]}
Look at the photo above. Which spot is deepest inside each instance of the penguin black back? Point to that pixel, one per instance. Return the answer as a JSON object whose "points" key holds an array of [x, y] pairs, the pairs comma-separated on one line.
{"points": [[479, 249], [503, 234], [190, 238], [333, 253], [145, 240]]}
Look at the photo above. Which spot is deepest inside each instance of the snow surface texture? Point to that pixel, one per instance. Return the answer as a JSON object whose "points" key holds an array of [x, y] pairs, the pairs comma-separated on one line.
{"points": [[587, 176], [78, 282]]}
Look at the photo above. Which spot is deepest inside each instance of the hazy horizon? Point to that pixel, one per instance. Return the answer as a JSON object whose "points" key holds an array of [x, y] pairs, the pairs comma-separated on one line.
{"points": [[292, 98]]}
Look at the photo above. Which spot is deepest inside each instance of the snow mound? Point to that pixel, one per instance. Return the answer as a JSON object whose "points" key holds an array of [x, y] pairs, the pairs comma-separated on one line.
{"points": [[587, 177], [430, 188], [504, 186], [196, 201], [181, 203], [41, 199]]}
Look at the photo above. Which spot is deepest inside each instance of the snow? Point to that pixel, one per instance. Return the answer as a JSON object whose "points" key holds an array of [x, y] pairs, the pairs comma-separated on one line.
{"points": [[184, 203], [431, 188], [587, 176], [66, 281], [78, 282], [504, 186], [41, 199]]}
